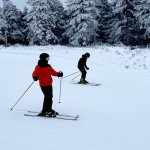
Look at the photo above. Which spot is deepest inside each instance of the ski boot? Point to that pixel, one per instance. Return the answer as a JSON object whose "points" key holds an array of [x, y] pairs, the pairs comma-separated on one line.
{"points": [[81, 81], [42, 114], [85, 82], [52, 113]]}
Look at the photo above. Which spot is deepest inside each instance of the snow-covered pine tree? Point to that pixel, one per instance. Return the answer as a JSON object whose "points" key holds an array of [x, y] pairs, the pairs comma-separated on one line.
{"points": [[12, 16], [104, 9], [42, 21], [143, 17], [60, 19], [122, 26], [82, 26], [3, 27], [23, 24]]}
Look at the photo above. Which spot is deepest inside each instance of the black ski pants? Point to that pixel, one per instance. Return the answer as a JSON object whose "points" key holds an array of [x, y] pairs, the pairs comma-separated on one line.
{"points": [[83, 72], [48, 95]]}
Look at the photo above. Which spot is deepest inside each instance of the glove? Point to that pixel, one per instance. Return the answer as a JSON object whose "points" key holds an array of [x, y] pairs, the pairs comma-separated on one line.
{"points": [[35, 78], [87, 68], [60, 74]]}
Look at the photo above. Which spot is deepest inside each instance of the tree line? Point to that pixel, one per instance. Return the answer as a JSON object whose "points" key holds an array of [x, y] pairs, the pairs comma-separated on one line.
{"points": [[80, 23]]}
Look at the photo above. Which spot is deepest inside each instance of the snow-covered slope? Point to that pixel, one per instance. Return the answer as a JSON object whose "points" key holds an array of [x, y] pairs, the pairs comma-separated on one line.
{"points": [[113, 116]]}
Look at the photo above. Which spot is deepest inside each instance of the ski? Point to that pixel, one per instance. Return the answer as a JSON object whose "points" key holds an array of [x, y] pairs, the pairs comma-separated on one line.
{"points": [[57, 117], [62, 115], [90, 83], [94, 84]]}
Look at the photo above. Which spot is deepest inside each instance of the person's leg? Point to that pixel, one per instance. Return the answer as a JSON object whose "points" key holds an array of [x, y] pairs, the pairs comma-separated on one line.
{"points": [[83, 74], [47, 104]]}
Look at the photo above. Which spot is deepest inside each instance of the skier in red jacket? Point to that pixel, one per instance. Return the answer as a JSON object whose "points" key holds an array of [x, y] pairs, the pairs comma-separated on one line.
{"points": [[44, 72]]}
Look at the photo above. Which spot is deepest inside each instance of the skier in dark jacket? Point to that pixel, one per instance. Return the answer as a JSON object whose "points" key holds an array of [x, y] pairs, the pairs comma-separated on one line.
{"points": [[43, 72], [83, 67]]}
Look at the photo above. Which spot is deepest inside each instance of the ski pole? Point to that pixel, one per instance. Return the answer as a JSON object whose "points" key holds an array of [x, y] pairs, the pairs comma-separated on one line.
{"points": [[71, 74], [21, 96], [76, 76], [60, 89], [61, 82]]}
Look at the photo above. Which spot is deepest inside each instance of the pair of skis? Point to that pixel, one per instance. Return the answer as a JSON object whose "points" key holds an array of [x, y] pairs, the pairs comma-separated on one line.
{"points": [[60, 116]]}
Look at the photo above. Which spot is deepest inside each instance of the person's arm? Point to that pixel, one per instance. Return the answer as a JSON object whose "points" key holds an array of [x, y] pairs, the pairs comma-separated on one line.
{"points": [[55, 73], [86, 67], [35, 73], [85, 64]]}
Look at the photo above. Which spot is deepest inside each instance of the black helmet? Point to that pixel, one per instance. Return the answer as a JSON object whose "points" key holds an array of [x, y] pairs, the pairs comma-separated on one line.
{"points": [[43, 56], [87, 55]]}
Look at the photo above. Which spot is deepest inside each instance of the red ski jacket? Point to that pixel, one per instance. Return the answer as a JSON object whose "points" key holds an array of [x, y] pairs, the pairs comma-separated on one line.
{"points": [[44, 75]]}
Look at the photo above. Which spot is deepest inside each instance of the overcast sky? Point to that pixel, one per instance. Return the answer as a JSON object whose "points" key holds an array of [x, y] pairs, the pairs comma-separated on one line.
{"points": [[22, 3], [19, 3]]}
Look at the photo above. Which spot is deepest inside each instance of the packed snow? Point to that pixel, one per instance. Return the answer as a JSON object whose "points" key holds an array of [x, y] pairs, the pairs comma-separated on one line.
{"points": [[113, 116]]}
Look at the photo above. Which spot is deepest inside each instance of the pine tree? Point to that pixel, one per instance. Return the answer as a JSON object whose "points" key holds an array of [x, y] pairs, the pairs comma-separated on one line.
{"points": [[12, 16], [23, 24], [3, 27], [103, 16], [60, 16], [122, 26], [143, 17], [82, 26], [42, 22]]}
